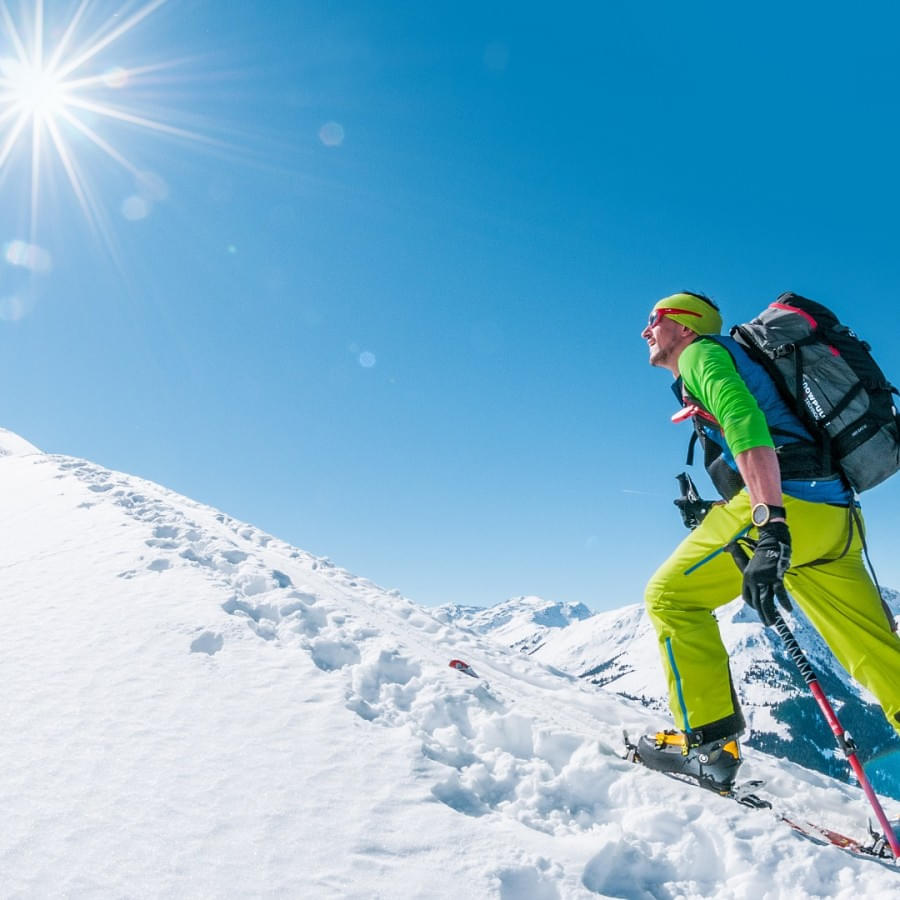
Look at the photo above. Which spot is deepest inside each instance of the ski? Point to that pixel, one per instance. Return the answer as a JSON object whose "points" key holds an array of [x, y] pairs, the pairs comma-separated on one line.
{"points": [[463, 667], [876, 848], [483, 689]]}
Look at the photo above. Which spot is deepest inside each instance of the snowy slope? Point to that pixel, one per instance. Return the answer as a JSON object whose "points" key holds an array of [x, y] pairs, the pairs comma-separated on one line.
{"points": [[196, 709]]}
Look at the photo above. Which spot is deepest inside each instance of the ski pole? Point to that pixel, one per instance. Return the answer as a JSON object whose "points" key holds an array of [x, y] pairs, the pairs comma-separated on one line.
{"points": [[843, 738], [692, 507]]}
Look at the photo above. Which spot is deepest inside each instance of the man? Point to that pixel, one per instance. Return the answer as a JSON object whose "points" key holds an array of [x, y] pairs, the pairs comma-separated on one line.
{"points": [[808, 530]]}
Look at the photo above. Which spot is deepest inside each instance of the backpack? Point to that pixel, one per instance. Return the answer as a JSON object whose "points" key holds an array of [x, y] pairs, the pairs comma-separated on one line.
{"points": [[827, 376]]}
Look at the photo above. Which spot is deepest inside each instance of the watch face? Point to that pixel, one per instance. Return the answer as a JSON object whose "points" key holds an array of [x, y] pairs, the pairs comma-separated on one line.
{"points": [[760, 514]]}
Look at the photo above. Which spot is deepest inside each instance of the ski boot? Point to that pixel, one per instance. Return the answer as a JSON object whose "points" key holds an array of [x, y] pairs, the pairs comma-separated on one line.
{"points": [[713, 765]]}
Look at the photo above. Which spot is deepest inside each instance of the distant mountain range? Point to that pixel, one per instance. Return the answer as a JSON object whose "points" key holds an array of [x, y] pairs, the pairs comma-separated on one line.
{"points": [[523, 623], [617, 651]]}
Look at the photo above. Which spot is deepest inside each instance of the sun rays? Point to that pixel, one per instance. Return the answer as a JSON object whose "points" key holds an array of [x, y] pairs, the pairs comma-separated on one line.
{"points": [[56, 106]]}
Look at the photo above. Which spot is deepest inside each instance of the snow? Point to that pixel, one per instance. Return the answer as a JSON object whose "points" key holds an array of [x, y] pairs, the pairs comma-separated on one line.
{"points": [[520, 622], [194, 708], [13, 445]]}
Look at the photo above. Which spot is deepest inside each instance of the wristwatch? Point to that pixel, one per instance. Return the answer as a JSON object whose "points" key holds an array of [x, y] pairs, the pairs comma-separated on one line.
{"points": [[762, 514]]}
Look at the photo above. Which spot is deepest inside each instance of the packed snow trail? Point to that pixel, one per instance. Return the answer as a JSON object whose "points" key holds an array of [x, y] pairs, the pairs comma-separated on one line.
{"points": [[195, 708]]}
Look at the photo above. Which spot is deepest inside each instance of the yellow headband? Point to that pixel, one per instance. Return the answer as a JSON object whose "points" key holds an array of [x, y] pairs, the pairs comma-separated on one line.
{"points": [[696, 314]]}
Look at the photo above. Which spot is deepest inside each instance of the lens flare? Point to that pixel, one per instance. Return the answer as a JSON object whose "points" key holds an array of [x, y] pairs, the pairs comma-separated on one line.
{"points": [[135, 208], [12, 308], [331, 134], [27, 256]]}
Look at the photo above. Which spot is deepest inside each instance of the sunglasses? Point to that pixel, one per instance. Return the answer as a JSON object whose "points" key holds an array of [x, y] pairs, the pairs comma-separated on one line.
{"points": [[657, 314]]}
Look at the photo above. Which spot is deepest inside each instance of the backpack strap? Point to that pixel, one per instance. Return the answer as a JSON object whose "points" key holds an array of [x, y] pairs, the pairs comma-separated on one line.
{"points": [[846, 400], [692, 443], [862, 533]]}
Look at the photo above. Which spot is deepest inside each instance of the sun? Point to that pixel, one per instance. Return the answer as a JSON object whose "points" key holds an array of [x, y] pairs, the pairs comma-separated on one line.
{"points": [[49, 95], [38, 93]]}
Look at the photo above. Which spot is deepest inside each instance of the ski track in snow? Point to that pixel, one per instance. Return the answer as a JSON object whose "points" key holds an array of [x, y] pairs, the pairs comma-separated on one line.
{"points": [[523, 762]]}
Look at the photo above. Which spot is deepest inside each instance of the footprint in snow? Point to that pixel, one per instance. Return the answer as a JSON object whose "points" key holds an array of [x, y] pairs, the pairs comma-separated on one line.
{"points": [[162, 544], [626, 869], [208, 642], [529, 882], [383, 686], [331, 655], [282, 580], [191, 556], [234, 557], [305, 619], [256, 612]]}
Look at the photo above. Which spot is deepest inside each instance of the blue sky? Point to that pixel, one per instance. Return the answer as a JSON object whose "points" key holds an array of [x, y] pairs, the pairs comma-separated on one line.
{"points": [[410, 341]]}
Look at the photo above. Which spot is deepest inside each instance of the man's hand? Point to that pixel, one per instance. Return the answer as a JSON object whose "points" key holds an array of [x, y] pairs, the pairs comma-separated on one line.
{"points": [[764, 574]]}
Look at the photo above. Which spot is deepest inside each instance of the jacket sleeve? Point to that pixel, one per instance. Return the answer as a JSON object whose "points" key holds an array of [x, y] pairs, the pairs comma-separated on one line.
{"points": [[709, 374]]}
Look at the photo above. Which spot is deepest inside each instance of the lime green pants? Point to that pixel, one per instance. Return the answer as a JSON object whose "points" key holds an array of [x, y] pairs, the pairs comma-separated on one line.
{"points": [[839, 599]]}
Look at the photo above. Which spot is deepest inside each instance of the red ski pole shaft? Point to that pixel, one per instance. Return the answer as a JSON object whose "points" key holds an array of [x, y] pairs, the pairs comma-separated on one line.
{"points": [[845, 742]]}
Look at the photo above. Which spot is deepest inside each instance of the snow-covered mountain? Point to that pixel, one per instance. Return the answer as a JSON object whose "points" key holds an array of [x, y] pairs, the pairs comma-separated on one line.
{"points": [[193, 708], [617, 650], [522, 623]]}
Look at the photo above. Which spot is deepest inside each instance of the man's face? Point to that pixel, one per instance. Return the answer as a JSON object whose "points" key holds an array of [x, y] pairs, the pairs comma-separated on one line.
{"points": [[664, 339]]}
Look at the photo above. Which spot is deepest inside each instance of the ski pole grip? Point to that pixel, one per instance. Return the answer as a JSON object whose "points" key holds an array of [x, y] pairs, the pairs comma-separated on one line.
{"points": [[798, 657], [683, 484]]}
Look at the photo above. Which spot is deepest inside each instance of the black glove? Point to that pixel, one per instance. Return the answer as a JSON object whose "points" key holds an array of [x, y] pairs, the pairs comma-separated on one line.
{"points": [[764, 574]]}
